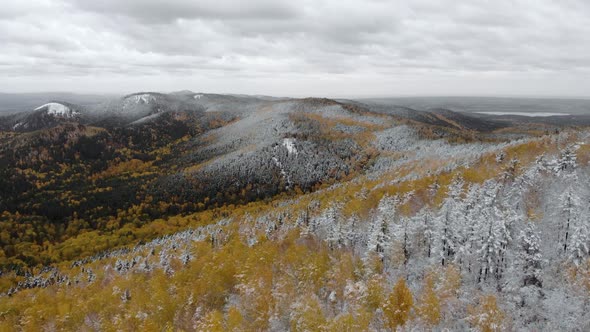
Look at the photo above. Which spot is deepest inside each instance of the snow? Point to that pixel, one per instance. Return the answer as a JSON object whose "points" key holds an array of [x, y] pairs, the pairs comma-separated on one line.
{"points": [[289, 143], [531, 114], [198, 96], [145, 98], [57, 109], [148, 118], [17, 125]]}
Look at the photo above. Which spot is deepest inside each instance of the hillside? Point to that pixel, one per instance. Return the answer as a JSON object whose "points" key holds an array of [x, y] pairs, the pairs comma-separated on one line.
{"points": [[193, 211]]}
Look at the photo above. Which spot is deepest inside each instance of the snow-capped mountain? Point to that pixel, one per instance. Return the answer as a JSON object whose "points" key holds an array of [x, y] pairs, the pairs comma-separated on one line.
{"points": [[45, 116], [59, 110], [142, 107]]}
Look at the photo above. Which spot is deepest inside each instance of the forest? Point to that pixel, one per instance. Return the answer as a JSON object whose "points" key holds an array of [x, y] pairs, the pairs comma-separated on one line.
{"points": [[301, 215]]}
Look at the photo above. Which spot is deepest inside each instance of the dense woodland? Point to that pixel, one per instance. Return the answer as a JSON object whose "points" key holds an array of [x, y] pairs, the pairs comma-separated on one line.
{"points": [[297, 215]]}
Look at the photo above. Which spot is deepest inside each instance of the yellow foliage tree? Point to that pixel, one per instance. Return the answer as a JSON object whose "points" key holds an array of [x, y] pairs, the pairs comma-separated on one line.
{"points": [[235, 320], [428, 307], [349, 322], [487, 316], [212, 322], [398, 305], [308, 316], [451, 282], [375, 292]]}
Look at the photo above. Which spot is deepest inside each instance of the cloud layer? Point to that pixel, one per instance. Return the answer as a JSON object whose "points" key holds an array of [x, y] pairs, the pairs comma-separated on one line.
{"points": [[308, 47]]}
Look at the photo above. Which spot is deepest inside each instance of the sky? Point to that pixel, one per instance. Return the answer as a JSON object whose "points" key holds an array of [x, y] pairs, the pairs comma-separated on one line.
{"points": [[333, 48]]}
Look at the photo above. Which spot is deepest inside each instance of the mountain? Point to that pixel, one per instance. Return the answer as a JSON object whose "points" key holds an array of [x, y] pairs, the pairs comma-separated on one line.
{"points": [[197, 211], [43, 117], [11, 103], [140, 106]]}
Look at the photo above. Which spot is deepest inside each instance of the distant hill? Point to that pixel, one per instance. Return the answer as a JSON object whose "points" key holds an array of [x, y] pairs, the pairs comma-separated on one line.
{"points": [[21, 102]]}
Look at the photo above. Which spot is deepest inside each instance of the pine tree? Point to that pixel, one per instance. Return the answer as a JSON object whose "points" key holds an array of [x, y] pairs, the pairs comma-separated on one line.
{"points": [[332, 221], [529, 255], [402, 233], [494, 233], [569, 207], [465, 226], [426, 224], [448, 216], [580, 241], [351, 232], [379, 233], [567, 162]]}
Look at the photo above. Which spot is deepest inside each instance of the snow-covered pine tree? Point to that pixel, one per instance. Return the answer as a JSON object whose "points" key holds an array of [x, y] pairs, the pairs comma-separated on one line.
{"points": [[570, 206], [379, 238], [465, 228], [580, 239], [494, 233], [567, 162], [529, 256], [426, 226], [447, 217], [401, 233], [351, 232], [332, 221]]}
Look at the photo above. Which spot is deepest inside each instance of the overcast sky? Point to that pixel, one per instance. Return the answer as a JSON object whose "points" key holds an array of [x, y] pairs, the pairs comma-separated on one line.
{"points": [[330, 48]]}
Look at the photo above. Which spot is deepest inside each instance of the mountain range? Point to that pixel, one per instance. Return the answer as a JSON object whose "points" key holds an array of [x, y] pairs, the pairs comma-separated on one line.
{"points": [[198, 211]]}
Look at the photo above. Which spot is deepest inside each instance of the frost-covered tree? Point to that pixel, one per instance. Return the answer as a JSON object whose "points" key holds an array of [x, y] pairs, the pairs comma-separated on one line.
{"points": [[493, 232], [465, 227], [580, 240], [425, 224], [332, 219], [352, 232], [402, 232], [529, 256], [567, 161], [448, 217], [379, 238], [569, 205]]}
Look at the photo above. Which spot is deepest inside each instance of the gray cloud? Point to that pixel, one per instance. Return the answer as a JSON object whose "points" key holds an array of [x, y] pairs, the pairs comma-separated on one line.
{"points": [[157, 11], [283, 47]]}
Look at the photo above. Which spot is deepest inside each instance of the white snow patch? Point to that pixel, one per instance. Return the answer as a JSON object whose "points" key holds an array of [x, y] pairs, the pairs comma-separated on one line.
{"points": [[146, 119], [57, 109], [145, 98], [198, 96], [531, 114], [283, 173], [289, 143], [17, 125]]}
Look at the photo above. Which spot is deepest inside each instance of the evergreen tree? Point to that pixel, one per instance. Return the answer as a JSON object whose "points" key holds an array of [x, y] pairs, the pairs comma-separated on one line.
{"points": [[379, 233], [580, 240], [426, 225], [351, 231], [447, 218], [494, 233], [332, 221], [529, 255], [567, 162], [569, 208]]}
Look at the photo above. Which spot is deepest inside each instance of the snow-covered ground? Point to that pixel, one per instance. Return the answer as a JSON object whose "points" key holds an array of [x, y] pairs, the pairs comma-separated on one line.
{"points": [[145, 98], [57, 109]]}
